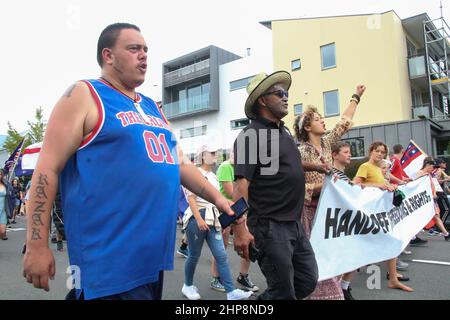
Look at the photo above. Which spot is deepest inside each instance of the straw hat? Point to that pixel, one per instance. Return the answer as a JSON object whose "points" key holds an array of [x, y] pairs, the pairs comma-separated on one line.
{"points": [[260, 84]]}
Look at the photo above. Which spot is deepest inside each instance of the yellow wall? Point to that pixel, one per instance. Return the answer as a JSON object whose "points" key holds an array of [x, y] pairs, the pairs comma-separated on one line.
{"points": [[370, 50]]}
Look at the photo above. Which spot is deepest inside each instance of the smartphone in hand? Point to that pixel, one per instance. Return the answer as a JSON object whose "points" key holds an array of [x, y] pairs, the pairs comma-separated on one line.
{"points": [[239, 207]]}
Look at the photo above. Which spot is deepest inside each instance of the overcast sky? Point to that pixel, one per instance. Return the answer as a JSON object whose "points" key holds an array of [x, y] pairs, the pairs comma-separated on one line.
{"points": [[49, 44]]}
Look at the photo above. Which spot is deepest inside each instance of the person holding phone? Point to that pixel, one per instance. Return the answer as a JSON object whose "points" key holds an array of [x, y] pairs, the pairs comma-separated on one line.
{"points": [[269, 173], [225, 174], [202, 224]]}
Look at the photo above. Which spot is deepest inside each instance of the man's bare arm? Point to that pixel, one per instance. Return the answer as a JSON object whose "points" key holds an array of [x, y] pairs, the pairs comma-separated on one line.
{"points": [[228, 188], [65, 131]]}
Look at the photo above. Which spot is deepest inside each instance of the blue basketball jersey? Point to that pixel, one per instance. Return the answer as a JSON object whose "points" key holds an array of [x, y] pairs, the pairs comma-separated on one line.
{"points": [[120, 194]]}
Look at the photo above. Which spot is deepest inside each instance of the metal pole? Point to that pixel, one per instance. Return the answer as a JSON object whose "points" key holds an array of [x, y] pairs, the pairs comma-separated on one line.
{"points": [[431, 111], [11, 173]]}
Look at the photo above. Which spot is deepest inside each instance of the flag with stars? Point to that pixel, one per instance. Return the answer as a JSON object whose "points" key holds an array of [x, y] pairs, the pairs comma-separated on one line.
{"points": [[412, 159]]}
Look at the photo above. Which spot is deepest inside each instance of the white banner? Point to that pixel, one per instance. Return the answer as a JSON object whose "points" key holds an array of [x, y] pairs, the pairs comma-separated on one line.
{"points": [[355, 227]]}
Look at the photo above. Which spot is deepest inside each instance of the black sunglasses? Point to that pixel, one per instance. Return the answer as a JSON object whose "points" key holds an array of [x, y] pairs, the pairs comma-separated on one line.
{"points": [[279, 93]]}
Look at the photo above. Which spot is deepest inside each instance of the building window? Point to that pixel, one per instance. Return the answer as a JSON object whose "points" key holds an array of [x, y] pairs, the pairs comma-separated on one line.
{"points": [[296, 65], [328, 53], [331, 103], [298, 109], [240, 84], [411, 49], [193, 132], [356, 146], [239, 124]]}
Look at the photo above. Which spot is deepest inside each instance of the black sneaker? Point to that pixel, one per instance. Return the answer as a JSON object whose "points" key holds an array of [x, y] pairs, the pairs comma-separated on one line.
{"points": [[418, 242], [54, 240], [246, 283], [24, 248], [59, 246], [348, 294], [447, 237]]}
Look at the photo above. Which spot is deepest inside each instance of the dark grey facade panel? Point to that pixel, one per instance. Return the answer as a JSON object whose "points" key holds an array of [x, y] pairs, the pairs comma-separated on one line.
{"points": [[404, 133], [378, 133], [422, 132], [391, 135], [420, 136]]}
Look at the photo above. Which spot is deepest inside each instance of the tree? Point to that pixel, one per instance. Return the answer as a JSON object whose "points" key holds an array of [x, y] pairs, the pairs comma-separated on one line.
{"points": [[35, 133], [37, 128], [12, 140]]}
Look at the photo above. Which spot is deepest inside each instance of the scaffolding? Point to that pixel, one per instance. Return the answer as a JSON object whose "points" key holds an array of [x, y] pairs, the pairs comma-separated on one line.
{"points": [[437, 48]]}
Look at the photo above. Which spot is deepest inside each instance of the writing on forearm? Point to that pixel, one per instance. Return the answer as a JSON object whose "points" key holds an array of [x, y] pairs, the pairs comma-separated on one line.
{"points": [[36, 217]]}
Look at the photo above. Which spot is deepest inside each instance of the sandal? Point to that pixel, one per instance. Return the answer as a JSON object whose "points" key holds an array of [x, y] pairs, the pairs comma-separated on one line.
{"points": [[402, 278]]}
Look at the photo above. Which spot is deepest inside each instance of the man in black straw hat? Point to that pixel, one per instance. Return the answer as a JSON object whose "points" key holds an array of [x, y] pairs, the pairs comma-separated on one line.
{"points": [[269, 173]]}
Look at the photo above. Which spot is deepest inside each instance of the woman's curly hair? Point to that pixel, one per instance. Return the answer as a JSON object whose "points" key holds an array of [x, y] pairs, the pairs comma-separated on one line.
{"points": [[302, 121]]}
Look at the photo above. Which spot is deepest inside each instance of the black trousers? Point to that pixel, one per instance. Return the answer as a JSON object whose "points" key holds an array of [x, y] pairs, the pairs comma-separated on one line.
{"points": [[444, 207], [150, 291], [286, 259]]}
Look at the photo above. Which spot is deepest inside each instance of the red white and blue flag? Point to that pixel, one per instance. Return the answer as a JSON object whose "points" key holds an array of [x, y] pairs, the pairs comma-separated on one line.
{"points": [[13, 158], [412, 159], [31, 156], [182, 203]]}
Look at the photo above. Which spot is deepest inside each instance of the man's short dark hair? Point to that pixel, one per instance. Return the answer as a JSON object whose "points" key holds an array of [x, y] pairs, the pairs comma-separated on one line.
{"points": [[397, 148], [108, 37]]}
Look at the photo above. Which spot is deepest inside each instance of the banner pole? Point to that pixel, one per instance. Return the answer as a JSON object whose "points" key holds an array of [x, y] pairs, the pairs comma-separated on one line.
{"points": [[11, 173]]}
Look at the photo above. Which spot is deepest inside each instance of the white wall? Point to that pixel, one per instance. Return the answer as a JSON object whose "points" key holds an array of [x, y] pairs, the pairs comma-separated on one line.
{"points": [[231, 105]]}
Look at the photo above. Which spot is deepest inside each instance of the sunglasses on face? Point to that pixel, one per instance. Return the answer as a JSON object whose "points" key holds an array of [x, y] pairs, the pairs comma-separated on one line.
{"points": [[279, 93]]}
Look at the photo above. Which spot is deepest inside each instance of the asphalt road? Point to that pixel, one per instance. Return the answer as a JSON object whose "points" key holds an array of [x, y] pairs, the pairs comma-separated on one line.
{"points": [[430, 280]]}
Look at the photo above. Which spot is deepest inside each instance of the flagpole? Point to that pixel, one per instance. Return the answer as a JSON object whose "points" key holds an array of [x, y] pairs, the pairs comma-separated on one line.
{"points": [[11, 172]]}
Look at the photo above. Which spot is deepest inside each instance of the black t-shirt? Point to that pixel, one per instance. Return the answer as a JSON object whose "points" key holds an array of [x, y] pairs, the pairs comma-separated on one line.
{"points": [[266, 155]]}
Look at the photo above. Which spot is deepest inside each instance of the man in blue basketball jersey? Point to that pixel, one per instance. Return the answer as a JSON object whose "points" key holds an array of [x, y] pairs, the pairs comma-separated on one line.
{"points": [[119, 169]]}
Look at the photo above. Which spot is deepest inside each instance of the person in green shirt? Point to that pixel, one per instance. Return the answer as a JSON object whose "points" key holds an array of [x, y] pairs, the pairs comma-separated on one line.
{"points": [[225, 175]]}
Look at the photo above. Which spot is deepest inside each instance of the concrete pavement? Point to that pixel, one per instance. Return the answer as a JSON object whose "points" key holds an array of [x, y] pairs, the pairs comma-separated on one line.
{"points": [[430, 280]]}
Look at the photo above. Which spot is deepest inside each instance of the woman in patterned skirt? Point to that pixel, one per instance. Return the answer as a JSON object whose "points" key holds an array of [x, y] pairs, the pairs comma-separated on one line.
{"points": [[315, 148]]}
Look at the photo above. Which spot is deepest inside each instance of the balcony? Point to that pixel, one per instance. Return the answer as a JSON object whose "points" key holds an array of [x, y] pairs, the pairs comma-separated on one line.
{"points": [[189, 106], [185, 74], [421, 111], [417, 67]]}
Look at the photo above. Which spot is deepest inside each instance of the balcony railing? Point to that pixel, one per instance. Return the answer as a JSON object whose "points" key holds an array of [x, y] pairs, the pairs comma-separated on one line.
{"points": [[421, 111], [192, 71], [191, 105], [417, 67]]}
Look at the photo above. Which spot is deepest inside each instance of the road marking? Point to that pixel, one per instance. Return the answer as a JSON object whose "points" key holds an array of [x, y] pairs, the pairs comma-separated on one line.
{"points": [[432, 262], [16, 229]]}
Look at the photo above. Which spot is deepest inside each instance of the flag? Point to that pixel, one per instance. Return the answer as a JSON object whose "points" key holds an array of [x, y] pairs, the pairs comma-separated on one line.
{"points": [[182, 203], [412, 159], [30, 156], [19, 171], [13, 158]]}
